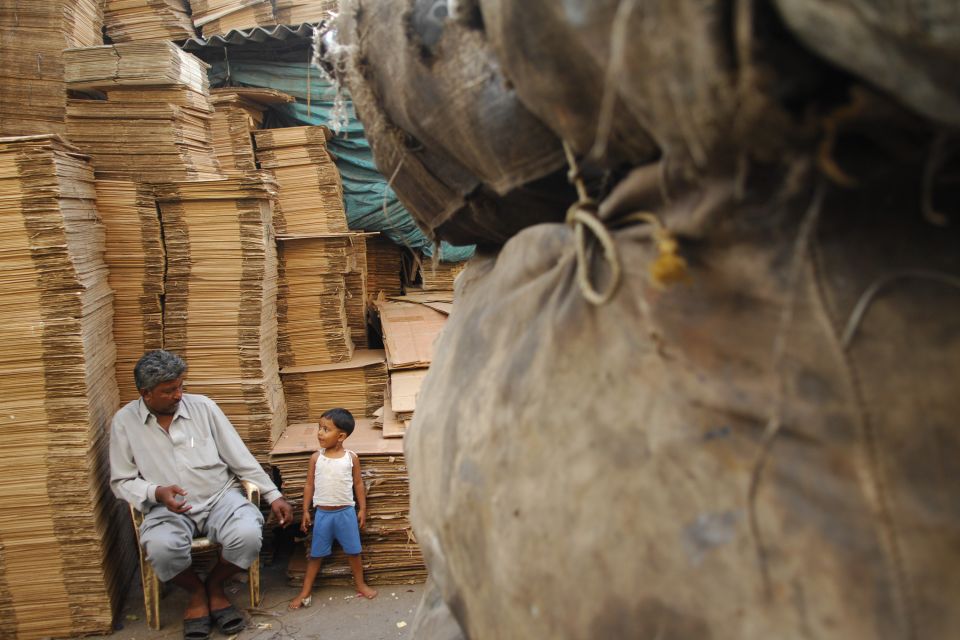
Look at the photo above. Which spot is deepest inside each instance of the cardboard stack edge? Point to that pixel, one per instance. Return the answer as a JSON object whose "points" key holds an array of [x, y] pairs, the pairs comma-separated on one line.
{"points": [[68, 553]]}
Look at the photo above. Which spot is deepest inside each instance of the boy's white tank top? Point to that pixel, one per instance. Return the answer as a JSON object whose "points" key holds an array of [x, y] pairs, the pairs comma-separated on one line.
{"points": [[333, 481]]}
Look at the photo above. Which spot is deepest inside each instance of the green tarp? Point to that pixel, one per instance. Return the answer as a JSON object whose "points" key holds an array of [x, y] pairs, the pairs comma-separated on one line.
{"points": [[371, 205]]}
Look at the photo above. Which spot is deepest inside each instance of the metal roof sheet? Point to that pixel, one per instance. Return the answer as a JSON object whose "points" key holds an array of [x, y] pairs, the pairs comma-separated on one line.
{"points": [[257, 34]]}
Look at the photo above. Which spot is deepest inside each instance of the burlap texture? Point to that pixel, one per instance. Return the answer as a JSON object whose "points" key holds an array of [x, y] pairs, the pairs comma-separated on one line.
{"points": [[587, 472]]}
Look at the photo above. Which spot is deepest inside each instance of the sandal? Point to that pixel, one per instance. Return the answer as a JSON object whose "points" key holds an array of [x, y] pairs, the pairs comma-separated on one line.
{"points": [[197, 628], [229, 620]]}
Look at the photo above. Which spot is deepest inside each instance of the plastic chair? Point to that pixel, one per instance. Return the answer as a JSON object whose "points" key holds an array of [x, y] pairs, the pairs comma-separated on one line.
{"points": [[151, 584]]}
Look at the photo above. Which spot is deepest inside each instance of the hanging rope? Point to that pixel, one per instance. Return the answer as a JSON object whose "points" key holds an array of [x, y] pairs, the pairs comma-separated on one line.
{"points": [[868, 296], [668, 268]]}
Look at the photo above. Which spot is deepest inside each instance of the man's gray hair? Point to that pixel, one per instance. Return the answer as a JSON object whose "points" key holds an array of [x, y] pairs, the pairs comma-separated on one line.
{"points": [[156, 367]]}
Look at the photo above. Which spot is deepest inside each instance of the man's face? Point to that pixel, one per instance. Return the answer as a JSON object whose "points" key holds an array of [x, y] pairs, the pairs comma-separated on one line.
{"points": [[164, 398]]}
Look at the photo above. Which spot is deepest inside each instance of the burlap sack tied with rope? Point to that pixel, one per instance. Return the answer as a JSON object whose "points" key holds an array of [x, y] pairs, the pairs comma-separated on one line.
{"points": [[766, 451], [462, 153]]}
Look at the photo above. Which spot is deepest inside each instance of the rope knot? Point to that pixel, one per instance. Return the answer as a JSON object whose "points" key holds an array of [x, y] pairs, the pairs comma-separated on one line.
{"points": [[668, 268]]}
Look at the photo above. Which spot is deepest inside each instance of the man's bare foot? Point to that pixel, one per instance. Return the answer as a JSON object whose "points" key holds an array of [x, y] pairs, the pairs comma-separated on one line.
{"points": [[364, 590], [216, 596], [301, 602], [197, 606]]}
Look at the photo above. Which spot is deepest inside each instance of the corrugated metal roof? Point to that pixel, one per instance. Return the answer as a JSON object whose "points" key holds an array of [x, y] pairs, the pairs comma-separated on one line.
{"points": [[257, 34]]}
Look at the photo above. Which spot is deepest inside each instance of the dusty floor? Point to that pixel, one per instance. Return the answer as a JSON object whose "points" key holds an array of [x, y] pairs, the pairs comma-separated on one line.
{"points": [[335, 615]]}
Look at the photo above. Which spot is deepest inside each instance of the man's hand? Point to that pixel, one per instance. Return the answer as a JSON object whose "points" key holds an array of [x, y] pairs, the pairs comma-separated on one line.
{"points": [[361, 517], [171, 497], [282, 511]]}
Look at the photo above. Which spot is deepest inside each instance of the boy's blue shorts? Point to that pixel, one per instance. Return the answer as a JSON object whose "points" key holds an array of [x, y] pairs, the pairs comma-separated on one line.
{"points": [[340, 525]]}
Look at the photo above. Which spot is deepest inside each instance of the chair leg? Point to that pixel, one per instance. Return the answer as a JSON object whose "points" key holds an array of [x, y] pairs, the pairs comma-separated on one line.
{"points": [[254, 582], [151, 594]]}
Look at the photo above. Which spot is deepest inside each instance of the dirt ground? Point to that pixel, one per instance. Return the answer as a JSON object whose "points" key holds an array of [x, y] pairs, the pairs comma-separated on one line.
{"points": [[336, 614]]}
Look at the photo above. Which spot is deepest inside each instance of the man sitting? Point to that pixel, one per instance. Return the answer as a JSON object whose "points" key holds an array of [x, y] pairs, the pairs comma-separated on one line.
{"points": [[175, 457]]}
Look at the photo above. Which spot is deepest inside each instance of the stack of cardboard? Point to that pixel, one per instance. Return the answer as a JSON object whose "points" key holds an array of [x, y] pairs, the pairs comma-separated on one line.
{"points": [[134, 64], [356, 385], [300, 11], [311, 193], [217, 17], [312, 312], [436, 275], [33, 98], [67, 553], [355, 281], [220, 311], [147, 20], [390, 551], [291, 456], [135, 257], [384, 260], [409, 332], [238, 113], [155, 124]]}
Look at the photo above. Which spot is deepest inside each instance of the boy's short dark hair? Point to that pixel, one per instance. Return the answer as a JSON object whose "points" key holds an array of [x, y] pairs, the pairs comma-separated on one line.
{"points": [[341, 419]]}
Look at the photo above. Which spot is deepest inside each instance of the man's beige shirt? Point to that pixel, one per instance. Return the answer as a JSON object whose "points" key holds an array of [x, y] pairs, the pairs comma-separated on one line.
{"points": [[202, 453]]}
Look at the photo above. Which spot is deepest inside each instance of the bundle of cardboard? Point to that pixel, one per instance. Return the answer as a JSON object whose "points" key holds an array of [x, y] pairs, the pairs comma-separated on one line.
{"points": [[435, 275], [220, 311], [300, 11], [147, 20], [409, 332], [67, 548], [155, 124], [135, 256], [238, 112], [33, 98], [384, 266], [356, 385], [311, 193], [217, 17], [355, 300], [314, 327]]}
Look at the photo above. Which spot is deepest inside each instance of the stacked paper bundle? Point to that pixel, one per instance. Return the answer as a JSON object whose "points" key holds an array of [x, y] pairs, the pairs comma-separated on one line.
{"points": [[300, 11], [438, 276], [238, 113], [33, 98], [401, 399], [135, 257], [311, 193], [356, 385], [313, 319], [217, 17], [220, 310], [67, 553], [410, 330], [356, 293], [134, 64], [155, 125], [391, 554], [291, 457], [384, 260], [147, 20]]}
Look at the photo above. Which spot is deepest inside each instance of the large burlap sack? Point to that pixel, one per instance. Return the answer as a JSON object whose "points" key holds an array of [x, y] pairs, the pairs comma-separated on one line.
{"points": [[444, 125], [583, 471], [909, 48], [706, 79]]}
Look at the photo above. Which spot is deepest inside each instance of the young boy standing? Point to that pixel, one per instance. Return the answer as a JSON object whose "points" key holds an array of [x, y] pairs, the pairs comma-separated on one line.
{"points": [[332, 481]]}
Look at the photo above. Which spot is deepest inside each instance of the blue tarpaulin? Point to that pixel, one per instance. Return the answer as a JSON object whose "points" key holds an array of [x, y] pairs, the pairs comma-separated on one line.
{"points": [[371, 205]]}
